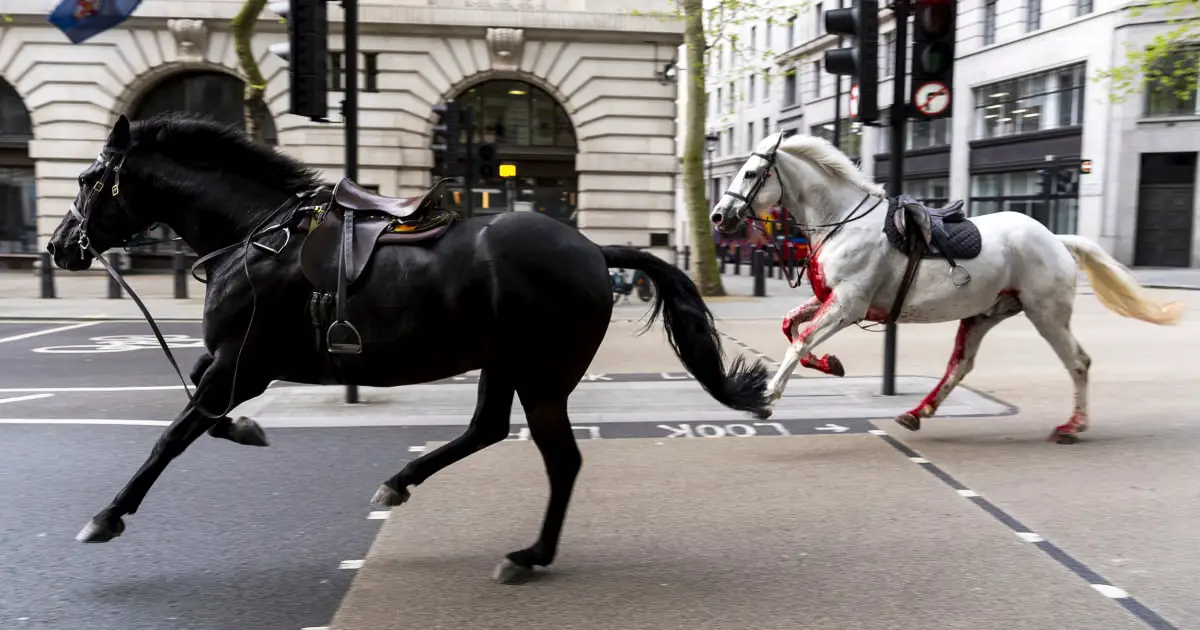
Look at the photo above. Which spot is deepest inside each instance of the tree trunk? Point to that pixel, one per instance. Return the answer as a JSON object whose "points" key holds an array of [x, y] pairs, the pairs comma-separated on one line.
{"points": [[704, 251], [255, 108]]}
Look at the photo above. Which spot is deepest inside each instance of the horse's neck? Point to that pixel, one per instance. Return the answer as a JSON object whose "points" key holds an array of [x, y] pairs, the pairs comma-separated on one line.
{"points": [[844, 212], [207, 225]]}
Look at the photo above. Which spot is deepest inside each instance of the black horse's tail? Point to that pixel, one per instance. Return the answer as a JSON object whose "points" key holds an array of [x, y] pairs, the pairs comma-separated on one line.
{"points": [[693, 335]]}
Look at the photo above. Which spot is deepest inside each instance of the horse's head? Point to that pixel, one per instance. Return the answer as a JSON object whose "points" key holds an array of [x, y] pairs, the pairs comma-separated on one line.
{"points": [[753, 189], [102, 215]]}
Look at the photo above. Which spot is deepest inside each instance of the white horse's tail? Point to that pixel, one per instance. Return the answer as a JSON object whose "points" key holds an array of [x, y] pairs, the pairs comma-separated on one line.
{"points": [[1115, 287]]}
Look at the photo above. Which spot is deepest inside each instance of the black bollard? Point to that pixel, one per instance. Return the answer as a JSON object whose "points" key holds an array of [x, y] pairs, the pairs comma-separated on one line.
{"points": [[675, 255], [759, 268], [687, 256], [724, 254], [114, 288], [737, 260], [179, 266], [47, 275]]}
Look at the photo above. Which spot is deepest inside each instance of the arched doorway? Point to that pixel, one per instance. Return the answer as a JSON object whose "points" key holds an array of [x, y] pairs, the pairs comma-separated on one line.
{"points": [[216, 94], [529, 130], [18, 196]]}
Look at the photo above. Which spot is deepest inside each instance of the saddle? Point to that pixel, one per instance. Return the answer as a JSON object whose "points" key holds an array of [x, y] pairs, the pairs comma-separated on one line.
{"points": [[921, 232], [343, 237]]}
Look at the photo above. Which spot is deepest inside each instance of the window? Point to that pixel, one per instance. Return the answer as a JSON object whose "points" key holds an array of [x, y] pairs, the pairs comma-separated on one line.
{"points": [[989, 22], [791, 32], [18, 210], [753, 38], [719, 103], [335, 71], [767, 34], [751, 89], [371, 72], [732, 97], [1033, 15], [927, 134], [766, 127], [515, 113], [751, 139], [1165, 93], [888, 53], [766, 81], [368, 67], [789, 88], [1083, 7], [931, 191], [819, 14], [1036, 102], [816, 72], [1055, 203], [851, 140]]}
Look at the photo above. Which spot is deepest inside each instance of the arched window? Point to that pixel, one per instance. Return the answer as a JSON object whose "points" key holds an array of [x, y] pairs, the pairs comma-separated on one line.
{"points": [[217, 94], [18, 196], [530, 130]]}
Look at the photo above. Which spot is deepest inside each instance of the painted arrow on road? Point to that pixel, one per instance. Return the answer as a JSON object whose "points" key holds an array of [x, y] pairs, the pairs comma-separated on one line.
{"points": [[836, 428], [24, 398]]}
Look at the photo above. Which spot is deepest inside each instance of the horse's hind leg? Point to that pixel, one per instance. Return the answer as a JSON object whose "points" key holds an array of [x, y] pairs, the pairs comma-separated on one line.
{"points": [[551, 431], [489, 425], [966, 345], [1053, 323]]}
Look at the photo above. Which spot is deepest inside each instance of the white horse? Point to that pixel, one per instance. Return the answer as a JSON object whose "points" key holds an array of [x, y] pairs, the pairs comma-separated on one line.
{"points": [[857, 273]]}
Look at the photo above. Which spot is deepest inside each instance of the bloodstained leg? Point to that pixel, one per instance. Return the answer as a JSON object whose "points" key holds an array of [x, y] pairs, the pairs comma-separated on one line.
{"points": [[962, 360], [1053, 322], [833, 315], [828, 364]]}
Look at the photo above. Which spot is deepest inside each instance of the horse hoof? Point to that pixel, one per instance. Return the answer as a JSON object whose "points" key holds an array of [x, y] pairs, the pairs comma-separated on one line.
{"points": [[388, 497], [247, 432], [509, 572], [909, 421], [764, 413], [835, 365], [97, 532], [1064, 438]]}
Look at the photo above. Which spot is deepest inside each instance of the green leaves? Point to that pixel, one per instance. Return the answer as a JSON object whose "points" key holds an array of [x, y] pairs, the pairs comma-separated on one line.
{"points": [[1169, 65]]}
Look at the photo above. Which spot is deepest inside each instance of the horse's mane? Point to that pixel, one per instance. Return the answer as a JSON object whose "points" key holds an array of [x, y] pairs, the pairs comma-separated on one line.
{"points": [[828, 158], [191, 138]]}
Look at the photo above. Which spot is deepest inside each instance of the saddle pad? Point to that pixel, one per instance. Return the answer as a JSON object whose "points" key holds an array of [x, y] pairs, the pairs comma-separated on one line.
{"points": [[961, 239]]}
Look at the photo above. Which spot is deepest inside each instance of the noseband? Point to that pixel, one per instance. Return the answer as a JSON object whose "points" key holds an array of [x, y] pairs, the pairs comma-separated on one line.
{"points": [[112, 160]]}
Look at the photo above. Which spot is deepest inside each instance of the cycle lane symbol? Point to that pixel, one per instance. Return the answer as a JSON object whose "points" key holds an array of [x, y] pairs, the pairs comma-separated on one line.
{"points": [[123, 343]]}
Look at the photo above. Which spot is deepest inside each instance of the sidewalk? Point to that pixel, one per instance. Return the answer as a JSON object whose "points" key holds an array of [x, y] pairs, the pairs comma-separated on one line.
{"points": [[85, 296]]}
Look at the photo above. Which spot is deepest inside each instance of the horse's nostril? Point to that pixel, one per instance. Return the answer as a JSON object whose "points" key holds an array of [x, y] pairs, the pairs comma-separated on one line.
{"points": [[50, 248], [717, 217]]}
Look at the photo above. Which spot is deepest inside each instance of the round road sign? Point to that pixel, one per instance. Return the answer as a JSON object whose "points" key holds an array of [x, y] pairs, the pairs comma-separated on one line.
{"points": [[931, 98]]}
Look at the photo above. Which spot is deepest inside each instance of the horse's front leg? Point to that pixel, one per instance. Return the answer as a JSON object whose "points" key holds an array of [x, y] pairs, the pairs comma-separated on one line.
{"points": [[212, 394], [241, 431], [828, 364], [834, 314]]}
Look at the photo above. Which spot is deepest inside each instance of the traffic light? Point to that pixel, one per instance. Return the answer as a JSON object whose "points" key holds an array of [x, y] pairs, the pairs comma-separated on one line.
{"points": [[486, 166], [446, 137], [933, 58], [307, 55], [860, 60]]}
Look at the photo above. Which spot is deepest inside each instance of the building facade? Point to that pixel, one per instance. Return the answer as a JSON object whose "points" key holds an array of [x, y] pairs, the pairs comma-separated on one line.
{"points": [[578, 94], [1032, 130]]}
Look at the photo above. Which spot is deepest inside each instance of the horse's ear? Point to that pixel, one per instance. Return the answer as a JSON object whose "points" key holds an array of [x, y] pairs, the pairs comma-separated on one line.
{"points": [[118, 138]]}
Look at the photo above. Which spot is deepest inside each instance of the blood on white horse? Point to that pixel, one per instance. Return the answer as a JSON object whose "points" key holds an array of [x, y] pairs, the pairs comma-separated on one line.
{"points": [[856, 273]]}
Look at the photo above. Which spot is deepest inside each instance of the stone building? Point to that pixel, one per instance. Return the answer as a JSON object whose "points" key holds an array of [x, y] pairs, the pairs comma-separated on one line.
{"points": [[579, 94]]}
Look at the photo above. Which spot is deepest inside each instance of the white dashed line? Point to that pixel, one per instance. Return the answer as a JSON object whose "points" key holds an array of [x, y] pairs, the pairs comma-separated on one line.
{"points": [[967, 493], [1110, 591], [24, 398], [918, 460], [877, 432], [109, 421], [416, 449], [351, 564], [379, 515], [1030, 537], [48, 331], [316, 628]]}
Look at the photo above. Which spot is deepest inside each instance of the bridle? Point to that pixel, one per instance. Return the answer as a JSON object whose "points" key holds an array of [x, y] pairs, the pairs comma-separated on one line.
{"points": [[746, 209], [113, 161]]}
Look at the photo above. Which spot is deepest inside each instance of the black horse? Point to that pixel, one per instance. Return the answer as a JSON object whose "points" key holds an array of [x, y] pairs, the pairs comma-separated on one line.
{"points": [[521, 297]]}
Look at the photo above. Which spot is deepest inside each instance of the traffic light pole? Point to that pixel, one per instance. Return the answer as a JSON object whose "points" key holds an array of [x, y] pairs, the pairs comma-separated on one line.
{"points": [[898, 119], [350, 111]]}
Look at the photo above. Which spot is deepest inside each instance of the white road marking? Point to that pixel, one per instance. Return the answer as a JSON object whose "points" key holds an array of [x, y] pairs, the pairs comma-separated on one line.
{"points": [[105, 421], [24, 398], [1030, 537], [918, 460], [379, 515], [967, 493], [416, 449], [1110, 591], [47, 331], [351, 564], [877, 432], [316, 628], [67, 390]]}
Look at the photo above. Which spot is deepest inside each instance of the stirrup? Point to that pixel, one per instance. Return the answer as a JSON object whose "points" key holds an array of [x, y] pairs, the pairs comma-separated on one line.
{"points": [[352, 345]]}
